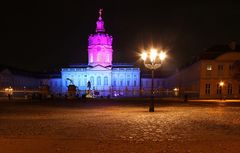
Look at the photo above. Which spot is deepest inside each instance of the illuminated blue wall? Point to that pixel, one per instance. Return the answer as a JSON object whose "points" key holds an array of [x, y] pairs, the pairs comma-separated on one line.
{"points": [[102, 79]]}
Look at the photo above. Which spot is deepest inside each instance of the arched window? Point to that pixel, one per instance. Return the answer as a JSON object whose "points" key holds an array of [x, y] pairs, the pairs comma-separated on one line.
{"points": [[114, 83], [92, 80], [107, 58], [121, 82], [98, 80], [91, 58], [105, 80], [99, 57], [128, 82], [135, 83]]}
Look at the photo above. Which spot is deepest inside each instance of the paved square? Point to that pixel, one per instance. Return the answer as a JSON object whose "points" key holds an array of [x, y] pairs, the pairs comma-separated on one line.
{"points": [[67, 127]]}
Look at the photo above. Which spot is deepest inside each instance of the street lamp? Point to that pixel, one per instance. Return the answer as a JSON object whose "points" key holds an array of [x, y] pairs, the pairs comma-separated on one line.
{"points": [[153, 60], [221, 84]]}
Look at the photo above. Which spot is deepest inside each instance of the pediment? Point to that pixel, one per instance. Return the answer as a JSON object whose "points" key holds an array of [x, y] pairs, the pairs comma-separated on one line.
{"points": [[99, 68]]}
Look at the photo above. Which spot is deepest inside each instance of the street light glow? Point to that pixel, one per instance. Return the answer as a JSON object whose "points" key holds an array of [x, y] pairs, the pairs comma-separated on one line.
{"points": [[175, 89], [221, 83], [153, 54], [144, 56], [162, 55], [153, 65]]}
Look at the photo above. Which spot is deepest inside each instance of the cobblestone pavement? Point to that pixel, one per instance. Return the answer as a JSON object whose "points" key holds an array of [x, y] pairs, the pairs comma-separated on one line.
{"points": [[119, 128]]}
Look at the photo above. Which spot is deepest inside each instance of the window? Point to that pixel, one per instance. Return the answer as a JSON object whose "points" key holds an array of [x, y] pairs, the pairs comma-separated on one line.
{"points": [[128, 83], [219, 89], [99, 57], [105, 80], [220, 67], [135, 83], [229, 89], [121, 83], [207, 89], [92, 80], [91, 58], [107, 58], [114, 83], [98, 80], [209, 67]]}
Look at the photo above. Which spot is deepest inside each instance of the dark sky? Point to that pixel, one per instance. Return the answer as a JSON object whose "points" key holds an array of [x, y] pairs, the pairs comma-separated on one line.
{"points": [[47, 35]]}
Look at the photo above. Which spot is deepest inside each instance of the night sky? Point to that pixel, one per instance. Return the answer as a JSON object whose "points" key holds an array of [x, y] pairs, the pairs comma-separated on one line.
{"points": [[48, 35]]}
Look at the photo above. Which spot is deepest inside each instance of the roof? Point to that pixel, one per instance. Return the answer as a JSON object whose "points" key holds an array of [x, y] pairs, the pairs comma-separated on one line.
{"points": [[213, 52], [17, 71], [20, 72], [217, 50]]}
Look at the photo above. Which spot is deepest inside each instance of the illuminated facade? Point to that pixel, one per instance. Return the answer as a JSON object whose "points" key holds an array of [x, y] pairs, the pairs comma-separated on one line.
{"points": [[215, 74], [100, 72]]}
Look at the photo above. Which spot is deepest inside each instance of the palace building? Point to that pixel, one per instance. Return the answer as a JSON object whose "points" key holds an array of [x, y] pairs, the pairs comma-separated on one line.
{"points": [[100, 72]]}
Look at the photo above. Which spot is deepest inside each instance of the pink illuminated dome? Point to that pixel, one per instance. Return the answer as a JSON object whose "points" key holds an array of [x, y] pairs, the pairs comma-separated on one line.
{"points": [[100, 46]]}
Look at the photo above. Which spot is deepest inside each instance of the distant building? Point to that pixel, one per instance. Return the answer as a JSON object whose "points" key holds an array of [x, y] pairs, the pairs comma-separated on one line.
{"points": [[214, 74], [17, 79]]}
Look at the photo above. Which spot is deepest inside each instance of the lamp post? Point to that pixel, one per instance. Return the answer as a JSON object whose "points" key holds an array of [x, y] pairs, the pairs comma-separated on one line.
{"points": [[153, 60]]}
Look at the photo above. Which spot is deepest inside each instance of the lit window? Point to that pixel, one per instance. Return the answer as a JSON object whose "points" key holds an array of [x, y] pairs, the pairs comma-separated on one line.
{"points": [[135, 83], [209, 67], [105, 80], [107, 58], [91, 58], [99, 57], [92, 80], [98, 80], [128, 83]]}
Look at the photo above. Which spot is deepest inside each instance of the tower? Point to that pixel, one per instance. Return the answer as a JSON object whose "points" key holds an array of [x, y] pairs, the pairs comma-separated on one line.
{"points": [[100, 46]]}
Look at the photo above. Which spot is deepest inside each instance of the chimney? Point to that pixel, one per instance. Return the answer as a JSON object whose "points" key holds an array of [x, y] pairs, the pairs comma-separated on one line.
{"points": [[232, 45]]}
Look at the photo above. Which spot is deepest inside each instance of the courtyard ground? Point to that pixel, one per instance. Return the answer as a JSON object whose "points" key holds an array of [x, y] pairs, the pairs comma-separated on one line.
{"points": [[119, 126]]}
